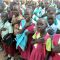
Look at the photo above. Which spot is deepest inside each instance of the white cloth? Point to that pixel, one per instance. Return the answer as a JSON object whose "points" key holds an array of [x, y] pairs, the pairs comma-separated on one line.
{"points": [[53, 26], [9, 29]]}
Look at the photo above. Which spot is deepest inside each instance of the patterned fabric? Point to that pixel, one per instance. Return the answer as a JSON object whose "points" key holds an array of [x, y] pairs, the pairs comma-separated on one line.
{"points": [[38, 12], [21, 39], [54, 27], [35, 18]]}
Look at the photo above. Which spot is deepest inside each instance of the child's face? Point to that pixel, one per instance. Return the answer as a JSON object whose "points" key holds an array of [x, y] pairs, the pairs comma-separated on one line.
{"points": [[27, 17], [40, 26], [16, 26], [50, 21]]}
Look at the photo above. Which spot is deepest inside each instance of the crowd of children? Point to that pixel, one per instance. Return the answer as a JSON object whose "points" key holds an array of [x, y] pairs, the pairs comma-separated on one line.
{"points": [[33, 31]]}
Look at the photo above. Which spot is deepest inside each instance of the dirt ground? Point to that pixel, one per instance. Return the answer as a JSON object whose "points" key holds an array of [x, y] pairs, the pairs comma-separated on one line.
{"points": [[4, 58], [2, 55]]}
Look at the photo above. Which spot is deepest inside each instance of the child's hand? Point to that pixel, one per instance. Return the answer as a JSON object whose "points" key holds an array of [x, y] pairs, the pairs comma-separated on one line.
{"points": [[33, 42], [40, 40]]}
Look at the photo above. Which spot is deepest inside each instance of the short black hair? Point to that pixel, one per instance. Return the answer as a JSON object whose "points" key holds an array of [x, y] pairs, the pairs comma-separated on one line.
{"points": [[50, 17], [15, 12]]}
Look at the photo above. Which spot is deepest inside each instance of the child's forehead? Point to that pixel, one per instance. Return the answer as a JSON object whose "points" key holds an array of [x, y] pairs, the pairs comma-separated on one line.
{"points": [[50, 17], [41, 21]]}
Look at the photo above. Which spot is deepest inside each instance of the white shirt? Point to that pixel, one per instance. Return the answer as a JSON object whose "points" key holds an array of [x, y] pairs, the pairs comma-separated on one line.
{"points": [[9, 29], [54, 27]]}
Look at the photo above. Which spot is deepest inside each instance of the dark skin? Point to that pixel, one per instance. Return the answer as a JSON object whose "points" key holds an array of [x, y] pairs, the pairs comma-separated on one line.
{"points": [[41, 24], [27, 24], [15, 21], [41, 29], [50, 20], [28, 16]]}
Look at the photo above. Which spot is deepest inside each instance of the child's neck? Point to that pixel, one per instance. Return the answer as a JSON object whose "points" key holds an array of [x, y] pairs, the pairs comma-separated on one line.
{"points": [[43, 34]]}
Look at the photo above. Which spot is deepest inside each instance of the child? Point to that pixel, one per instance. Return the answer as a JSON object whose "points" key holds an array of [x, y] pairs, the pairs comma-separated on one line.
{"points": [[16, 16], [23, 43], [19, 28], [51, 29], [7, 36], [29, 32], [51, 24], [39, 46]]}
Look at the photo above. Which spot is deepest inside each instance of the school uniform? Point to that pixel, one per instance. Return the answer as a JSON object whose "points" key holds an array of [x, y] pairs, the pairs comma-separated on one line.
{"points": [[56, 42], [10, 48], [53, 26], [38, 12], [39, 49]]}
